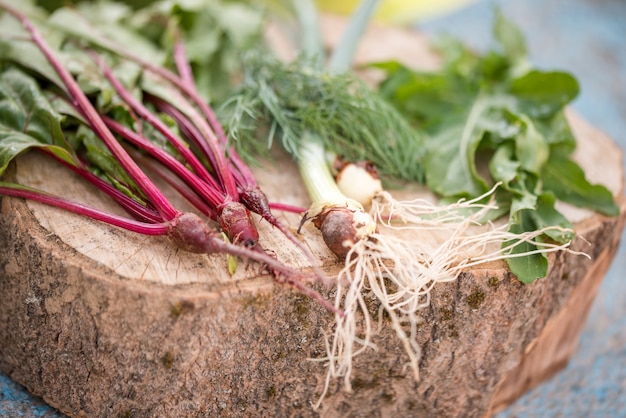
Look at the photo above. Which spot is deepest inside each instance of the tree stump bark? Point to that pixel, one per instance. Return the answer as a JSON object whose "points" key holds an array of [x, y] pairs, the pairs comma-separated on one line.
{"points": [[101, 322]]}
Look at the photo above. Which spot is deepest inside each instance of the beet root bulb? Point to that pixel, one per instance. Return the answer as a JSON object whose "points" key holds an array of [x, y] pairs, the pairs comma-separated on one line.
{"points": [[342, 227], [191, 233], [235, 220]]}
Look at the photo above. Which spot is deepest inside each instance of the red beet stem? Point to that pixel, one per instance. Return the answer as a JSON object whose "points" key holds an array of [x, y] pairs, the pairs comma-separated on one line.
{"points": [[175, 182], [211, 130], [207, 189], [182, 63], [234, 219], [187, 128], [187, 86], [285, 207], [145, 228], [132, 206], [145, 113]]}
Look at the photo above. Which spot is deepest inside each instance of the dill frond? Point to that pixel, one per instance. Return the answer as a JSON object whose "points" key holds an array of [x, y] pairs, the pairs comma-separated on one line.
{"points": [[352, 119]]}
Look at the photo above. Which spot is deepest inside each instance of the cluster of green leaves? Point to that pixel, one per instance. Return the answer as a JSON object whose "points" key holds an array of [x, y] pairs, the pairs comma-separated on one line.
{"points": [[492, 118], [33, 110], [215, 32]]}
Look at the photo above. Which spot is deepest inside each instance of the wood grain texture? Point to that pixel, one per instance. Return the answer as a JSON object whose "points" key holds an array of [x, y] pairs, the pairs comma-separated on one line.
{"points": [[101, 322]]}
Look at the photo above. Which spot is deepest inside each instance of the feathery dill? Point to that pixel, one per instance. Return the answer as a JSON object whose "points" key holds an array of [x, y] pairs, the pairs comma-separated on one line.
{"points": [[289, 99]]}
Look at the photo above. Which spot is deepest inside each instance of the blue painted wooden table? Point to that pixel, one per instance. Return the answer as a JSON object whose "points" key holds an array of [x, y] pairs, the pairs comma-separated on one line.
{"points": [[587, 38]]}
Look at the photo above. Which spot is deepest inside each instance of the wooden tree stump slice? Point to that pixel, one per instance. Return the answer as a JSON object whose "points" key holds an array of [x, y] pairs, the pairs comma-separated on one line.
{"points": [[105, 323]]}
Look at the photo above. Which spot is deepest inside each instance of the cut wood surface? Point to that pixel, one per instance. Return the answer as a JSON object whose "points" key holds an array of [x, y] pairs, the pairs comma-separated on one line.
{"points": [[104, 322]]}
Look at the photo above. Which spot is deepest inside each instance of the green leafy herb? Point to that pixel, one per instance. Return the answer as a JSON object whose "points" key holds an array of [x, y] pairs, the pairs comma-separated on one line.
{"points": [[296, 98], [491, 118], [567, 181]]}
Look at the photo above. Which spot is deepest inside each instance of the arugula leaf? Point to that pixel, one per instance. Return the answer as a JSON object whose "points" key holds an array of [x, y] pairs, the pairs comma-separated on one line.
{"points": [[534, 266], [503, 166], [450, 162], [531, 148], [511, 39], [27, 119], [546, 215], [541, 94], [567, 181], [557, 132], [529, 267]]}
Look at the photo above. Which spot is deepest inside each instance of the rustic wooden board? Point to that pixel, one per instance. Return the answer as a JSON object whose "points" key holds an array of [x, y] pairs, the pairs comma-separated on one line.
{"points": [[101, 322]]}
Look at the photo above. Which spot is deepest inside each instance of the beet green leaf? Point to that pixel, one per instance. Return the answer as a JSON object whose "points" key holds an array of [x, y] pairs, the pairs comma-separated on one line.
{"points": [[27, 119]]}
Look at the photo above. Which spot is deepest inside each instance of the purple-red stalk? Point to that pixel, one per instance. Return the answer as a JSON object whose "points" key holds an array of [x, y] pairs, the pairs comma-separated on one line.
{"points": [[187, 128], [182, 63], [213, 133], [286, 207], [186, 84], [206, 189], [209, 126], [174, 181], [232, 215], [152, 119], [133, 207], [145, 228]]}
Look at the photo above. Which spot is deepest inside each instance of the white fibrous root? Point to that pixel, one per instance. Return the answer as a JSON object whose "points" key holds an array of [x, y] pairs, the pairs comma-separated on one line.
{"points": [[396, 252], [399, 272], [421, 213]]}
